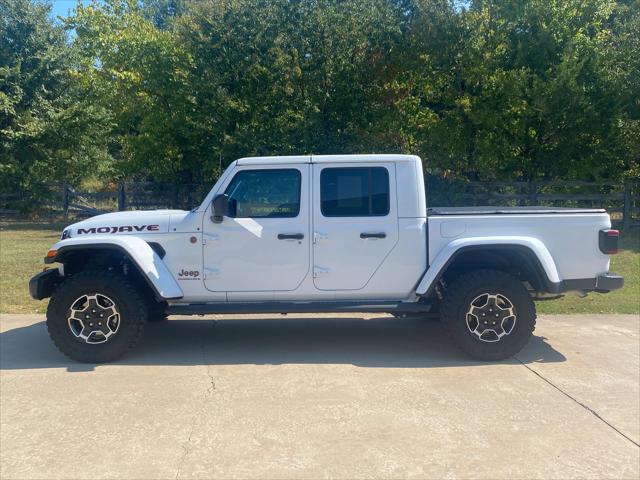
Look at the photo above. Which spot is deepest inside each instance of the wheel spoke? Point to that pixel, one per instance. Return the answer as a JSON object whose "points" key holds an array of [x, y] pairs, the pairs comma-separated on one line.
{"points": [[76, 325], [508, 323], [112, 323], [490, 317], [489, 336], [492, 299], [481, 301], [93, 318]]}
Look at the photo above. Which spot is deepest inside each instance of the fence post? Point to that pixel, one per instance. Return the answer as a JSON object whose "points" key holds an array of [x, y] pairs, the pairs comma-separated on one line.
{"points": [[65, 201], [122, 205], [626, 209], [533, 192]]}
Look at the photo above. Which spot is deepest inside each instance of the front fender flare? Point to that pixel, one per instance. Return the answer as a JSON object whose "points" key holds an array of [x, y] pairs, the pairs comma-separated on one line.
{"points": [[451, 250], [143, 257]]}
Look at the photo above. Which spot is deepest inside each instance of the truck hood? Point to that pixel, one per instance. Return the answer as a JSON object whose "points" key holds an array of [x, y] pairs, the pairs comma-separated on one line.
{"points": [[127, 223]]}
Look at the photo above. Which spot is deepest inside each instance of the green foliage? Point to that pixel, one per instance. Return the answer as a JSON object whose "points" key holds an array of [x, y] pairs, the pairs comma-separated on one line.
{"points": [[47, 131], [622, 69], [140, 74], [172, 89], [227, 79], [519, 89]]}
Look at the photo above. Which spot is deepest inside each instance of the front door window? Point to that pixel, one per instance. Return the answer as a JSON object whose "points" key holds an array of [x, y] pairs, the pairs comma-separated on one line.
{"points": [[272, 193]]}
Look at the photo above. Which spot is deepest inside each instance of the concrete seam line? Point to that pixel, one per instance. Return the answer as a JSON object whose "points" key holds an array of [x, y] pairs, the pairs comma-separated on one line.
{"points": [[586, 407], [211, 387]]}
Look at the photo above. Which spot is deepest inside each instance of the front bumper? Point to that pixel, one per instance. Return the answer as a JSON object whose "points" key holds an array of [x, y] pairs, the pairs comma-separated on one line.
{"points": [[43, 284]]}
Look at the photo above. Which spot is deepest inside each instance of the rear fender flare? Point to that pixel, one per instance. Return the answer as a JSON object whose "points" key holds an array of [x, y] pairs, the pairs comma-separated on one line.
{"points": [[142, 255], [448, 254]]}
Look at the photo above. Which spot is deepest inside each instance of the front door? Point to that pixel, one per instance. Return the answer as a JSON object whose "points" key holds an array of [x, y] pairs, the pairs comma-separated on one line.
{"points": [[355, 222], [263, 245]]}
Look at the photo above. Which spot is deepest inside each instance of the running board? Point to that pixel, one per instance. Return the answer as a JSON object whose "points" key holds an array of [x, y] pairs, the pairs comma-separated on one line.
{"points": [[298, 307]]}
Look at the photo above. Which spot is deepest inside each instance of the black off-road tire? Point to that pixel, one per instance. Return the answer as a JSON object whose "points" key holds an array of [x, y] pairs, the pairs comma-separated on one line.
{"points": [[457, 302], [158, 318], [157, 312], [129, 302]]}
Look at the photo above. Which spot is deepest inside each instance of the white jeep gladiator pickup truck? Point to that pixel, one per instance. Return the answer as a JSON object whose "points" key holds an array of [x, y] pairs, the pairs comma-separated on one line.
{"points": [[339, 233]]}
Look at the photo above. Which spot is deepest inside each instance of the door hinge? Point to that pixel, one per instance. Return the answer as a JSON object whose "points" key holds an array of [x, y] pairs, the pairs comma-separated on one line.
{"points": [[211, 272], [209, 237], [320, 271], [317, 236]]}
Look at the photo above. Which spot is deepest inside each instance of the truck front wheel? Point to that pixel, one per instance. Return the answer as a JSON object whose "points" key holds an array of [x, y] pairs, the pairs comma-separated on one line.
{"points": [[489, 314], [157, 312], [96, 316]]}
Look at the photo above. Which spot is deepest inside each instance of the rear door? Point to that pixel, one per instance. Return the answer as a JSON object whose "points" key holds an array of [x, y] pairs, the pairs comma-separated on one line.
{"points": [[264, 244], [355, 222]]}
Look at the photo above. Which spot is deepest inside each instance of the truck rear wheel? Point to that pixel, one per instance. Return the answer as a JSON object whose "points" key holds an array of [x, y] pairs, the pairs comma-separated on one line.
{"points": [[96, 316], [489, 314]]}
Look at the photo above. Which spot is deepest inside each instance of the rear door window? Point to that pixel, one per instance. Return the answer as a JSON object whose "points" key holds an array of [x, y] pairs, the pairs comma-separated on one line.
{"points": [[354, 192]]}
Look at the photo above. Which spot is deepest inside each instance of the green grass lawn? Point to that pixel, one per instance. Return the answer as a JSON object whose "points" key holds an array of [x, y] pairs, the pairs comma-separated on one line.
{"points": [[24, 244], [627, 300]]}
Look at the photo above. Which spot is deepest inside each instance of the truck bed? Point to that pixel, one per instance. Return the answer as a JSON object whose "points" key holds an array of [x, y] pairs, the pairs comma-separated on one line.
{"points": [[436, 211]]}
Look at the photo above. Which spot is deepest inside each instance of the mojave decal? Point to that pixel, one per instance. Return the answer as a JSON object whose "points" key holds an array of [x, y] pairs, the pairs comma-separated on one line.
{"points": [[119, 229]]}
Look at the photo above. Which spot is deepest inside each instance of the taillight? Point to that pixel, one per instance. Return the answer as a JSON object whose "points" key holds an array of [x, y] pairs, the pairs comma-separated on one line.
{"points": [[609, 241]]}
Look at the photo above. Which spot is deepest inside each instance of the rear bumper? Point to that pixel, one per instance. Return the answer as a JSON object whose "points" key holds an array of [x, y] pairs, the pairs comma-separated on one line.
{"points": [[604, 283], [609, 281], [42, 285]]}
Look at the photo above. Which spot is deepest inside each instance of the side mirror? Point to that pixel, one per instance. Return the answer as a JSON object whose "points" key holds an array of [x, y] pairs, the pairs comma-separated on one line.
{"points": [[220, 207]]}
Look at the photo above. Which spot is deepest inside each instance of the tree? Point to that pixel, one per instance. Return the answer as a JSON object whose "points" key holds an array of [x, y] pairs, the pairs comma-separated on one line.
{"points": [[171, 89], [228, 79], [139, 73], [511, 89], [163, 12], [287, 77], [47, 132], [621, 66]]}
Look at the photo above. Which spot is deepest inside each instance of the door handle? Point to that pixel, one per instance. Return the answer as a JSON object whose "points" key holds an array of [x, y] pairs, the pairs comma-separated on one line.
{"points": [[373, 235], [290, 236]]}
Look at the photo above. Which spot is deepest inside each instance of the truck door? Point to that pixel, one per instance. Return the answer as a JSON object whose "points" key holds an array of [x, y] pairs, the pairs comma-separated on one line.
{"points": [[264, 244], [355, 222]]}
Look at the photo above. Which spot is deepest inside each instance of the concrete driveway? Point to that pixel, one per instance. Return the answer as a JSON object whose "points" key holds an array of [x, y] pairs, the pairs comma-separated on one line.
{"points": [[323, 396]]}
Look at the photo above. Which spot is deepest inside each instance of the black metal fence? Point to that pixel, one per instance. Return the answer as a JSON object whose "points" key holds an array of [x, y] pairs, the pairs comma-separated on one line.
{"points": [[622, 200]]}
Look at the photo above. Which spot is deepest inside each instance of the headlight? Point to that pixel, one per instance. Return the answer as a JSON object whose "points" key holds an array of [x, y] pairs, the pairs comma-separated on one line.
{"points": [[65, 234]]}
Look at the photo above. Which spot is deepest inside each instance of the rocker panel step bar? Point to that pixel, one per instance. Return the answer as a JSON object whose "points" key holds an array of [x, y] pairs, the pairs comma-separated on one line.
{"points": [[298, 307]]}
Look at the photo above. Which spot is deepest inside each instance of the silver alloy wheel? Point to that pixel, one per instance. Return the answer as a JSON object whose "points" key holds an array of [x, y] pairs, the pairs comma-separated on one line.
{"points": [[490, 317], [94, 318]]}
